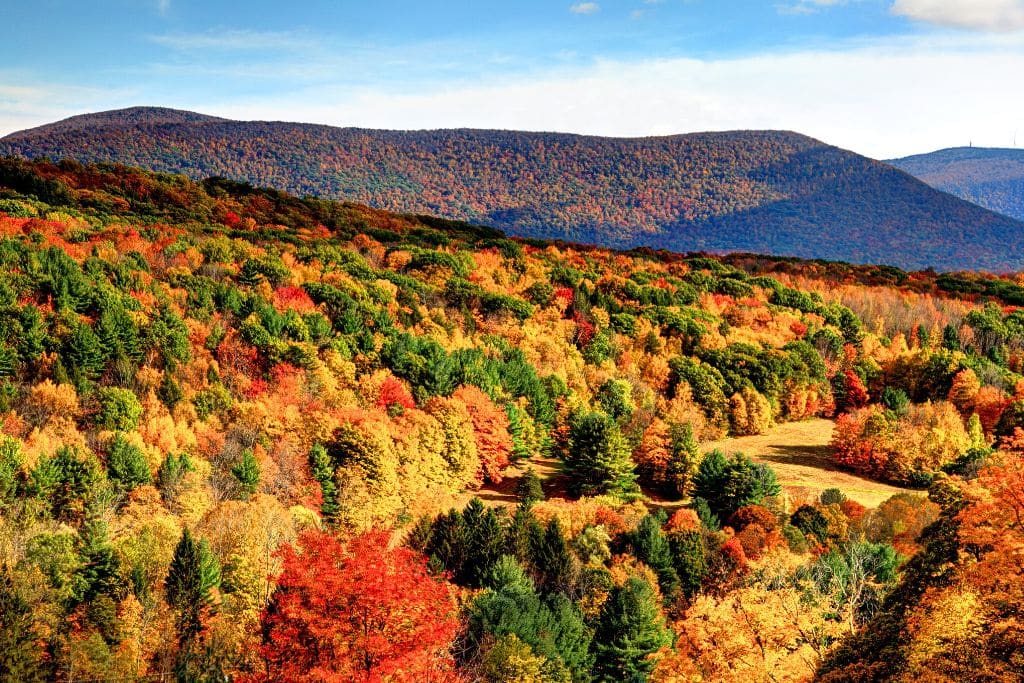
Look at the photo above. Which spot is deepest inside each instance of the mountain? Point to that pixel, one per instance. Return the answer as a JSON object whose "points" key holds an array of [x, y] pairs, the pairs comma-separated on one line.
{"points": [[763, 191], [992, 178]]}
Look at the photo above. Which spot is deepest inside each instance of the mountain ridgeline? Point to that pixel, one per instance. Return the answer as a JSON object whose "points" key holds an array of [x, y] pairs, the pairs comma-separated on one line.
{"points": [[992, 178], [761, 191]]}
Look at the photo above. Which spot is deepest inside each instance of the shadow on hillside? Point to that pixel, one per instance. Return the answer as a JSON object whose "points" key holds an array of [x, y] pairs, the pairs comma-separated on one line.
{"points": [[817, 457]]}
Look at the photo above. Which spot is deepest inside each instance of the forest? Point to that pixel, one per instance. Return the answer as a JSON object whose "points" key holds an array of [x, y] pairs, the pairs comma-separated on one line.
{"points": [[247, 436], [764, 191]]}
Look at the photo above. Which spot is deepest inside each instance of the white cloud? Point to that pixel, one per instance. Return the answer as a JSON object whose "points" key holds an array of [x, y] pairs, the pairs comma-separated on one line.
{"points": [[881, 99], [163, 6], [983, 15], [584, 8], [884, 98]]}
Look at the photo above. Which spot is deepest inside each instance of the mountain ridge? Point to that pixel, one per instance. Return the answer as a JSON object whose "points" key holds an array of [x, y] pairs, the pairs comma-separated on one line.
{"points": [[778, 192], [992, 177]]}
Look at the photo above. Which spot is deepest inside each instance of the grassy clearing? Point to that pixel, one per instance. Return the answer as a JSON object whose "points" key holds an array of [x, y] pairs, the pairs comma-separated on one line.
{"points": [[800, 455]]}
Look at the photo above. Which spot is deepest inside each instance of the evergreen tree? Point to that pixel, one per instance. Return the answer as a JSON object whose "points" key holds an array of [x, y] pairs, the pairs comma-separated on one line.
{"points": [[729, 484], [171, 473], [685, 457], [126, 465], [11, 460], [629, 631], [447, 545], [191, 584], [84, 352], [170, 391], [322, 467], [599, 458], [553, 560], [247, 474], [19, 647], [119, 409], [689, 558], [652, 548], [485, 542], [554, 629], [529, 489]]}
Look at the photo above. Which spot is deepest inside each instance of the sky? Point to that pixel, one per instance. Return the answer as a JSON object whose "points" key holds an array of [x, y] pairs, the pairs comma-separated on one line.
{"points": [[884, 78]]}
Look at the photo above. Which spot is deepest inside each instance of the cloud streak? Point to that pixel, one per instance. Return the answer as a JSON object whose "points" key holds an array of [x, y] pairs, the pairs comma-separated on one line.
{"points": [[978, 15], [585, 8]]}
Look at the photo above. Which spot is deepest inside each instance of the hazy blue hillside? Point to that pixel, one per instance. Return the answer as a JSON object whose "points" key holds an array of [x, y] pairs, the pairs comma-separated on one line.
{"points": [[992, 178]]}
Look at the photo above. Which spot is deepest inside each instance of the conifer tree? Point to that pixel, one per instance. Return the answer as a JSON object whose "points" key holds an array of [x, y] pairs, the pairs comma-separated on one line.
{"points": [[19, 649], [554, 560], [247, 473], [126, 465], [191, 584], [529, 489], [629, 631], [599, 457], [322, 467], [652, 548], [685, 457]]}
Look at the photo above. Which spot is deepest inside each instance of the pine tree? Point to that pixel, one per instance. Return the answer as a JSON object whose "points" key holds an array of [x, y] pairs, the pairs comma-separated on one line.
{"points": [[689, 558], [126, 465], [19, 648], [247, 473], [322, 467], [599, 457], [685, 457], [191, 584], [485, 542], [84, 352], [652, 548], [554, 560], [529, 489], [629, 631]]}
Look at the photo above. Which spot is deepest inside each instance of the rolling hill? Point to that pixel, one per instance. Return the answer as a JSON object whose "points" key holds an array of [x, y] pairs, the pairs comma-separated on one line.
{"points": [[763, 191], [992, 178]]}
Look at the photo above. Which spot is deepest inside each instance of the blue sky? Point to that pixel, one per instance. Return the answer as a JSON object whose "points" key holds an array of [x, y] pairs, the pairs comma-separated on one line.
{"points": [[882, 77]]}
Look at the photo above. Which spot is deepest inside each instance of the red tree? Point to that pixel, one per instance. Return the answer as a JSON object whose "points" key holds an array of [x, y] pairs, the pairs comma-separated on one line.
{"points": [[357, 611], [490, 427]]}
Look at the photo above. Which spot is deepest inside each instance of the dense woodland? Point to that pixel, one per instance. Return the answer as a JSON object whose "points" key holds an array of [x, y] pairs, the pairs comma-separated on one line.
{"points": [[250, 437], [764, 191], [993, 178]]}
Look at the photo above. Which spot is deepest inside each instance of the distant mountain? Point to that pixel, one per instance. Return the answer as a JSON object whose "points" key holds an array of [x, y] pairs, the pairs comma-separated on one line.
{"points": [[763, 191], [993, 178]]}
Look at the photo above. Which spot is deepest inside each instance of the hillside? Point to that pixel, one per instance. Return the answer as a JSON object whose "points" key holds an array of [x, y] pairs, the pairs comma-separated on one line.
{"points": [[774, 192], [993, 178], [234, 425]]}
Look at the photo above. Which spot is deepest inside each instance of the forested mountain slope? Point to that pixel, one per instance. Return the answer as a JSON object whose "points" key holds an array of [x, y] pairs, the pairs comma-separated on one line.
{"points": [[233, 422], [993, 178], [764, 191]]}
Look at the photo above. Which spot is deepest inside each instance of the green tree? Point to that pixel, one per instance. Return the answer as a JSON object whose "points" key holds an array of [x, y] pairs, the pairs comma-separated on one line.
{"points": [[652, 548], [529, 489], [19, 642], [599, 456], [322, 467], [554, 560], [685, 457], [126, 465], [247, 473], [191, 584], [727, 484], [554, 629], [629, 631], [689, 558], [84, 352]]}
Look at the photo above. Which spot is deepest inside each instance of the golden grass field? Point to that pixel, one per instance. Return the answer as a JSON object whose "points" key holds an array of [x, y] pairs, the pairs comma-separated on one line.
{"points": [[799, 454]]}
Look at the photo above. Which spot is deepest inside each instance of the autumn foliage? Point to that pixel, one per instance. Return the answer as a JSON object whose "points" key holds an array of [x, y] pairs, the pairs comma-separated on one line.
{"points": [[357, 611]]}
